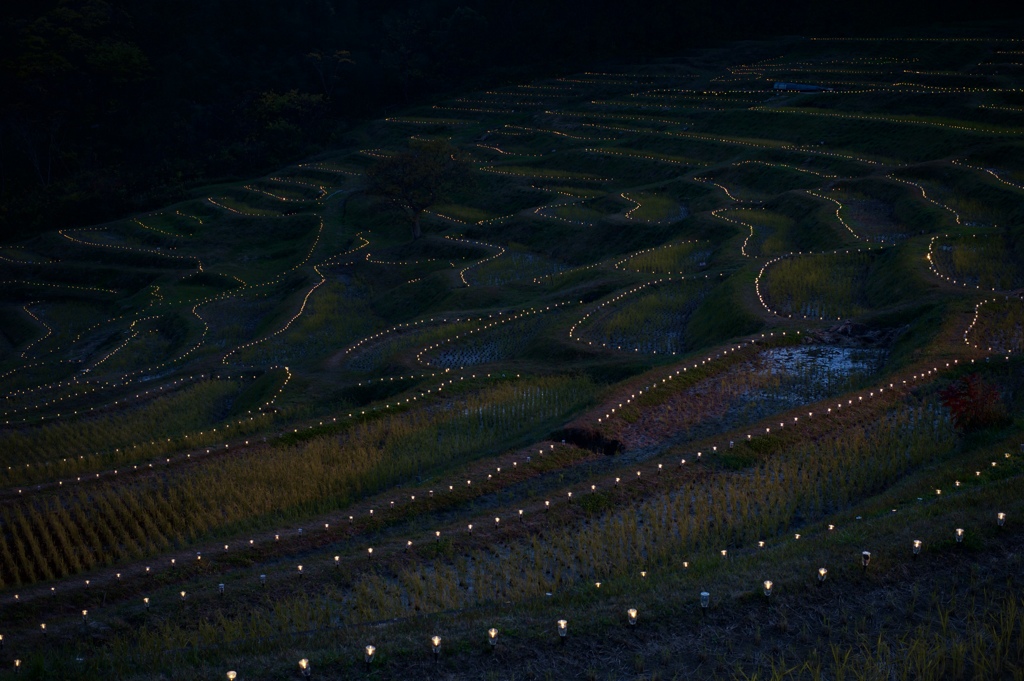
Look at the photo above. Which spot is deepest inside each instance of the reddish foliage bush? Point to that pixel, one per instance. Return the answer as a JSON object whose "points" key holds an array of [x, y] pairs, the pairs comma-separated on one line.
{"points": [[973, 404]]}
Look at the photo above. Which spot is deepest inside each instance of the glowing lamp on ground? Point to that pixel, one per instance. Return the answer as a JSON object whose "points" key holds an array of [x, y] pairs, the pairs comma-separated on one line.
{"points": [[435, 646], [725, 553], [337, 561], [563, 629], [300, 570], [768, 588], [643, 574], [304, 667], [232, 675], [497, 521], [631, 615], [146, 602], [917, 547], [865, 559], [959, 535], [492, 637], [597, 584], [182, 596], [85, 615], [368, 654], [42, 628], [1000, 519], [822, 574]]}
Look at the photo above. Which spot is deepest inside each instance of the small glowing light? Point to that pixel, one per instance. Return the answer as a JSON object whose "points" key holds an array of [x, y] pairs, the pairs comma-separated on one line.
{"points": [[631, 614], [822, 574]]}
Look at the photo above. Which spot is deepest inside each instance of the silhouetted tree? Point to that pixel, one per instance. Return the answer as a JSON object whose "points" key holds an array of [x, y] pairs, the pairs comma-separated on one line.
{"points": [[328, 67], [416, 179]]}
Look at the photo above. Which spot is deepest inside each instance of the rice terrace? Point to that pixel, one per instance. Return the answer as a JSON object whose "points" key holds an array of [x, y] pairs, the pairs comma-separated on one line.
{"points": [[705, 367]]}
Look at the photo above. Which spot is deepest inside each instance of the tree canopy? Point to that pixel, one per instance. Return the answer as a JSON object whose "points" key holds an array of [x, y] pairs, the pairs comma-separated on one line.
{"points": [[416, 179]]}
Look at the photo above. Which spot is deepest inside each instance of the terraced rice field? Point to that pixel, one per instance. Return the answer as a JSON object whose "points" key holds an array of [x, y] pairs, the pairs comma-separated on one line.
{"points": [[676, 331]]}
